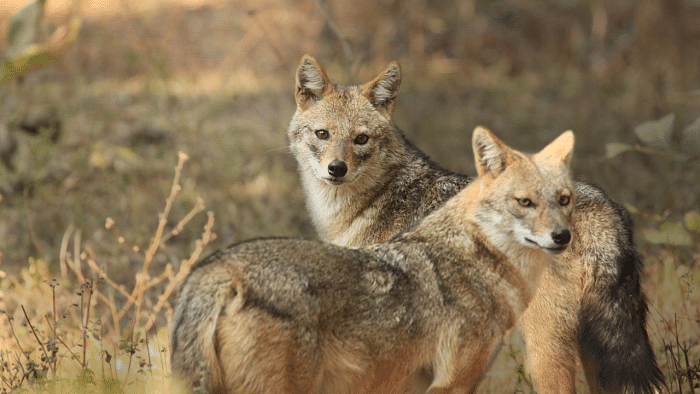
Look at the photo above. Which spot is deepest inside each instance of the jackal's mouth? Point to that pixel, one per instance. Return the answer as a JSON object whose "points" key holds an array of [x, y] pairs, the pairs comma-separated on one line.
{"points": [[334, 181], [552, 250], [556, 250]]}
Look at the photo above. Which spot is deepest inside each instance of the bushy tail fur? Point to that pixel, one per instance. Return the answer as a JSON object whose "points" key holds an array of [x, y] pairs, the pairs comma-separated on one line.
{"points": [[613, 315], [193, 336]]}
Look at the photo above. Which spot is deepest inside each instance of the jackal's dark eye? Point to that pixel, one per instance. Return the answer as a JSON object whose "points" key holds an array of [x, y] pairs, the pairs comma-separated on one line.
{"points": [[322, 134], [564, 200], [361, 139], [524, 202]]}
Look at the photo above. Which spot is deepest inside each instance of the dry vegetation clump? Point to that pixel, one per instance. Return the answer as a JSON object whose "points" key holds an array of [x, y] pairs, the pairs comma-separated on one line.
{"points": [[80, 336]]}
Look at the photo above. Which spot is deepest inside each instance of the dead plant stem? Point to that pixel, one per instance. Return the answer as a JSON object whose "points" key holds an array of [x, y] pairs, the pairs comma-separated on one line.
{"points": [[184, 269], [12, 328], [141, 283], [43, 349]]}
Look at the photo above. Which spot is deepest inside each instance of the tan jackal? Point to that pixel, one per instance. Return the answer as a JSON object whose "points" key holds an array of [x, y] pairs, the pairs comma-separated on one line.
{"points": [[364, 182], [421, 312]]}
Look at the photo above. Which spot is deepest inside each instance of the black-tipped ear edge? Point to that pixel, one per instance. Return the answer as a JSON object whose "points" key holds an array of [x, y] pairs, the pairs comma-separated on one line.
{"points": [[490, 153], [312, 83], [383, 89]]}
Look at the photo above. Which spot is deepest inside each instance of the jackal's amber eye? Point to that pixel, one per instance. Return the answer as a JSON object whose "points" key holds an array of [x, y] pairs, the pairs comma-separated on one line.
{"points": [[361, 139], [564, 200], [322, 134], [524, 202]]}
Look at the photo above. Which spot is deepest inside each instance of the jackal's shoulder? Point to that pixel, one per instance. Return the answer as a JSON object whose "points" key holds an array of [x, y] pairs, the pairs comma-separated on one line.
{"points": [[421, 185]]}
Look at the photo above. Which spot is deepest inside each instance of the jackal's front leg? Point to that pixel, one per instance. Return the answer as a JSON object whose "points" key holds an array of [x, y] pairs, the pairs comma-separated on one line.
{"points": [[549, 331]]}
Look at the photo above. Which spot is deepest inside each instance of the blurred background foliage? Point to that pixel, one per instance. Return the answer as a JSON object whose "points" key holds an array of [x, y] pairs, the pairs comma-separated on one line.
{"points": [[90, 135], [94, 133]]}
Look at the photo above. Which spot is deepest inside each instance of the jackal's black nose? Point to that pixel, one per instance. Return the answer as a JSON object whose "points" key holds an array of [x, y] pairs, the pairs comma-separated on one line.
{"points": [[561, 235], [337, 168]]}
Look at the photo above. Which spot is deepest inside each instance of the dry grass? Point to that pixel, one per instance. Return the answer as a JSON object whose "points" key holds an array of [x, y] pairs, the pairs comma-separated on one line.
{"points": [[214, 80], [85, 332]]}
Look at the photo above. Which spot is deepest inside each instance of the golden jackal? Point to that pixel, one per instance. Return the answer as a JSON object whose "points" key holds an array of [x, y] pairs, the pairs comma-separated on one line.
{"points": [[423, 311], [364, 183]]}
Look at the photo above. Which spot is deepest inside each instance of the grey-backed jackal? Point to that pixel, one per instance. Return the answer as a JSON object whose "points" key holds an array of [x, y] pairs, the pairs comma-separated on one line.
{"points": [[364, 182], [421, 312]]}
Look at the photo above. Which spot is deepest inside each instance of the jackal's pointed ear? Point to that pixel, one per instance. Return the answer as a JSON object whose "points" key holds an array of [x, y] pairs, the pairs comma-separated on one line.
{"points": [[490, 154], [383, 89], [312, 82], [561, 148]]}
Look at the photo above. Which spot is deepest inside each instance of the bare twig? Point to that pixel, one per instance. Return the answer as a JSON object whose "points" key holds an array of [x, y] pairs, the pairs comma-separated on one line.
{"points": [[75, 269], [175, 189], [100, 273], [52, 327], [87, 286], [143, 277], [19, 363], [54, 350], [144, 282], [43, 349], [113, 310], [75, 356], [74, 264], [689, 369], [166, 274], [7, 380], [148, 351], [199, 207], [12, 328], [131, 350], [53, 305], [184, 269], [63, 251], [160, 354], [102, 360]]}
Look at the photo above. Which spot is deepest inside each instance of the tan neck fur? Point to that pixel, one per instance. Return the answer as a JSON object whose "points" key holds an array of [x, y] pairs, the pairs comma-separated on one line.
{"points": [[458, 228]]}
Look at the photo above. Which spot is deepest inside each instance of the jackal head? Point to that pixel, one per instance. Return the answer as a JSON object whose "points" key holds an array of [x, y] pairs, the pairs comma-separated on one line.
{"points": [[526, 200], [343, 134]]}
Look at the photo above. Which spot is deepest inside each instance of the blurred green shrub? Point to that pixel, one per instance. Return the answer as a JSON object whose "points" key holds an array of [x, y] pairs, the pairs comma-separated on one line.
{"points": [[656, 138], [23, 52]]}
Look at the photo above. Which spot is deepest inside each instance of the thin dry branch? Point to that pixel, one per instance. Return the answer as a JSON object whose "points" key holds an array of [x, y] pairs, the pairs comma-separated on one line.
{"points": [[120, 288], [12, 328], [64, 250], [184, 269], [87, 286], [112, 308], [29, 323], [142, 278], [76, 254], [199, 207], [76, 270], [165, 275]]}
